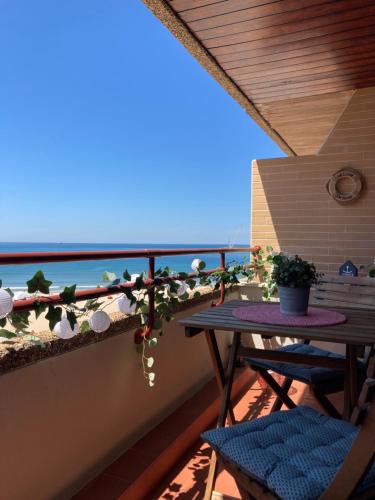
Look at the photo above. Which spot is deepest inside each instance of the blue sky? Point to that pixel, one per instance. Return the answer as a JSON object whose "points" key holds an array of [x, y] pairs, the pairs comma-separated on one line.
{"points": [[111, 132]]}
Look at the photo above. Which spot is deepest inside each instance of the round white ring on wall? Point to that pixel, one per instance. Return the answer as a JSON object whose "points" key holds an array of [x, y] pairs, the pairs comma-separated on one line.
{"points": [[345, 196]]}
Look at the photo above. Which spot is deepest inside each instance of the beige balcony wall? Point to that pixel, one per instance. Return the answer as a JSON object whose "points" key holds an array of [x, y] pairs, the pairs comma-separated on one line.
{"points": [[64, 419], [291, 209]]}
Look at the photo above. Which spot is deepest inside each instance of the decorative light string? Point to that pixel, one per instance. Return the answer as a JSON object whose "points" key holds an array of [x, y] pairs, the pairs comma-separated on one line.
{"points": [[154, 299]]}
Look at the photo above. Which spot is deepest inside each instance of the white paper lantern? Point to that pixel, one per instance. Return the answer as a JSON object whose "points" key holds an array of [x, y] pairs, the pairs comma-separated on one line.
{"points": [[182, 288], [20, 296], [124, 305], [100, 321], [195, 264], [6, 303], [64, 330]]}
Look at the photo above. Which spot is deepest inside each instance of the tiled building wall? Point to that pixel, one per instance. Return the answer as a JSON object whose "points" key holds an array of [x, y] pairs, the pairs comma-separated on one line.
{"points": [[292, 210]]}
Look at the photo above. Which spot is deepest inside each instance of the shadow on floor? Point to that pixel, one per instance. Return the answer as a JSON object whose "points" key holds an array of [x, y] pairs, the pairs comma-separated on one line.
{"points": [[192, 474]]}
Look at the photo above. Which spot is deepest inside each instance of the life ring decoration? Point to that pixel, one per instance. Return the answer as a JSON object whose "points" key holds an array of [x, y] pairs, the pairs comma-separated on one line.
{"points": [[346, 196]]}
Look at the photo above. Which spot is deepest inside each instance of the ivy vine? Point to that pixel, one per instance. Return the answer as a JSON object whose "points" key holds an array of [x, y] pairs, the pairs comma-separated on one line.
{"points": [[169, 289]]}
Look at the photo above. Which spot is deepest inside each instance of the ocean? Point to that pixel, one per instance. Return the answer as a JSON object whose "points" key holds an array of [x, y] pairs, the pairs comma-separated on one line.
{"points": [[88, 274]]}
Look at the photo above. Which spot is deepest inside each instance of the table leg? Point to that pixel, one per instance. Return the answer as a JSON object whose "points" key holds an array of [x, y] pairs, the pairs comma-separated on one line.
{"points": [[351, 381], [225, 386], [218, 368], [225, 402], [353, 375]]}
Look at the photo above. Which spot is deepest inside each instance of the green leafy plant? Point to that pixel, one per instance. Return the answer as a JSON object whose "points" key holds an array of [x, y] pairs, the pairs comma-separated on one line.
{"points": [[370, 269], [17, 324], [263, 261], [168, 288], [38, 283], [293, 272], [280, 269]]}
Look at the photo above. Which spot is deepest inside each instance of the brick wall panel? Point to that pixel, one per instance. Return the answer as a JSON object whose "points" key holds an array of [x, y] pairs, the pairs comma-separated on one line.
{"points": [[292, 210]]}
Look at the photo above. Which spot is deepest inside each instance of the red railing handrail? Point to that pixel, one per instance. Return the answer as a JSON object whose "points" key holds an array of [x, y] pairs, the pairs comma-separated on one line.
{"points": [[45, 257]]}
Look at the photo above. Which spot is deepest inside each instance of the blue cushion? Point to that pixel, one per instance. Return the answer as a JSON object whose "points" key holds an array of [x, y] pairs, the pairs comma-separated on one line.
{"points": [[294, 453], [313, 375]]}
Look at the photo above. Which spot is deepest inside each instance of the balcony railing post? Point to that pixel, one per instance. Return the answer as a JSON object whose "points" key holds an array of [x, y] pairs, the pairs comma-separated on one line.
{"points": [[222, 285], [151, 295]]}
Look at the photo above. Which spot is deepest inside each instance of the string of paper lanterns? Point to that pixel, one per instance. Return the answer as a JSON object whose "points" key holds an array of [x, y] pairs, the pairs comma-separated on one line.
{"points": [[125, 306], [99, 321], [6, 303], [64, 330], [182, 288], [195, 265]]}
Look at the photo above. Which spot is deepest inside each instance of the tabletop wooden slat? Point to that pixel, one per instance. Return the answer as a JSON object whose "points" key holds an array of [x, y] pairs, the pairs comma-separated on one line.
{"points": [[359, 328]]}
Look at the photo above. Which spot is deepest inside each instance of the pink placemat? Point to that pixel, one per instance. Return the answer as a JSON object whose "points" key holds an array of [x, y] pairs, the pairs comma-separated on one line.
{"points": [[270, 314]]}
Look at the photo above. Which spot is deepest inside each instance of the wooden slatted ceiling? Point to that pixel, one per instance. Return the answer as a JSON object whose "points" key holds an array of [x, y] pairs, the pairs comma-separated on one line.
{"points": [[298, 61]]}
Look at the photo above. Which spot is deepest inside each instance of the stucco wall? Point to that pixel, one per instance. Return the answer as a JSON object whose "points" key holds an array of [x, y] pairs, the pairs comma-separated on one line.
{"points": [[292, 210], [65, 418]]}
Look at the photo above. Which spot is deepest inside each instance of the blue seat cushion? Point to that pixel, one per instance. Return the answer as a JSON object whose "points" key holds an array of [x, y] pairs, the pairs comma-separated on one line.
{"points": [[312, 375], [294, 453]]}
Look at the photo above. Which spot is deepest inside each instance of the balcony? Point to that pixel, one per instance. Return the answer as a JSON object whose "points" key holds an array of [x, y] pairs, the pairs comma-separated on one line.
{"points": [[74, 406], [79, 419], [108, 434]]}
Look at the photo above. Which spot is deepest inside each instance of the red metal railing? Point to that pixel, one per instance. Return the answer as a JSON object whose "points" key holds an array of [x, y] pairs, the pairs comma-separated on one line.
{"points": [[44, 257]]}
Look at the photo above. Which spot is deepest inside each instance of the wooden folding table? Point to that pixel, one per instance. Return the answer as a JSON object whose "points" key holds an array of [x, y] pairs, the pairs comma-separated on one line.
{"points": [[357, 331]]}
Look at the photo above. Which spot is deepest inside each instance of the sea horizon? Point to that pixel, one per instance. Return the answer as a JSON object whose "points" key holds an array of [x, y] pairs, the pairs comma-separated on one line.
{"points": [[88, 274], [197, 245]]}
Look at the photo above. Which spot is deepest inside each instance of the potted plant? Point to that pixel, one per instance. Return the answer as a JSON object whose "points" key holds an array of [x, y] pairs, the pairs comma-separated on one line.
{"points": [[293, 277], [370, 269]]}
